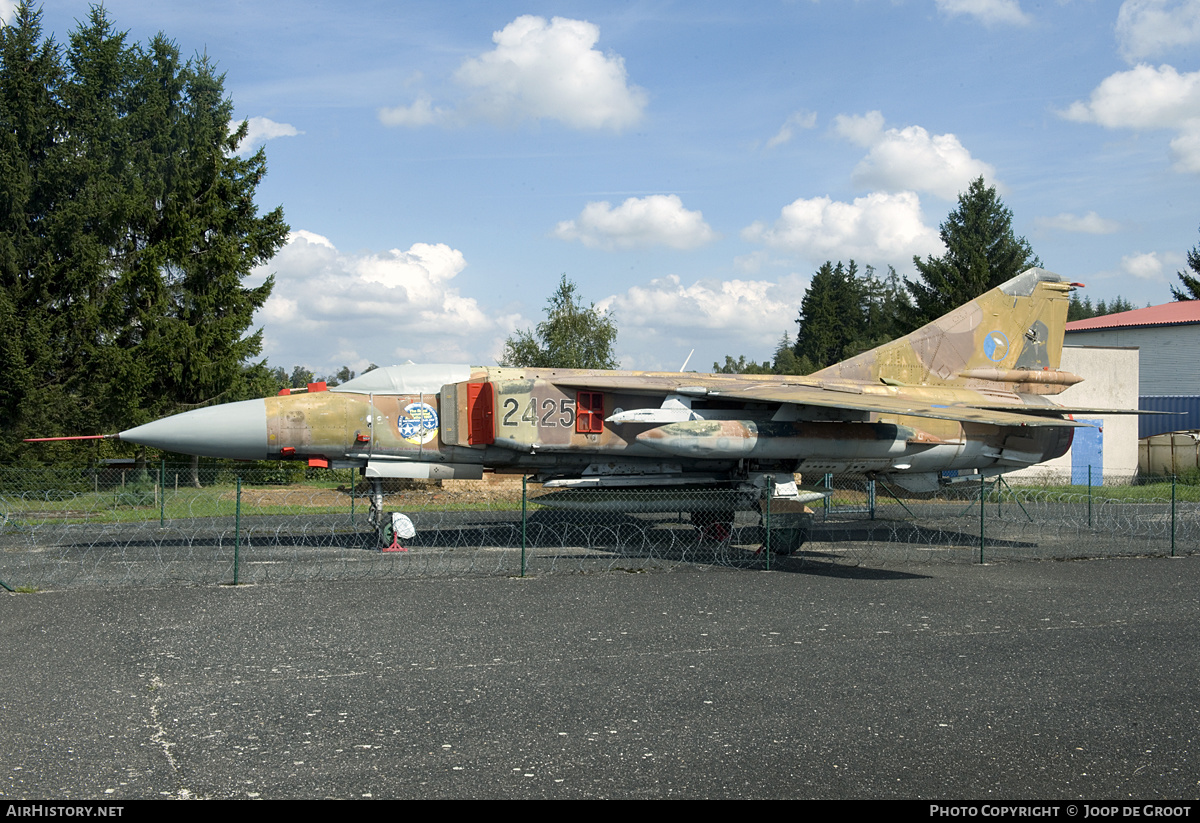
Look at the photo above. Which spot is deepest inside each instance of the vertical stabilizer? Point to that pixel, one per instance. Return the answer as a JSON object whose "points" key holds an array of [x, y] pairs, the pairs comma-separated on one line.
{"points": [[1011, 335]]}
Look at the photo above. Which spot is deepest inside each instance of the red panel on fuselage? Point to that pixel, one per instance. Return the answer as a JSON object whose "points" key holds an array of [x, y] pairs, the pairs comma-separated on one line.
{"points": [[482, 412]]}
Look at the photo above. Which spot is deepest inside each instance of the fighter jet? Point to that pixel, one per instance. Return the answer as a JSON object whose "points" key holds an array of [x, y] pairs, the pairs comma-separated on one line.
{"points": [[968, 392]]}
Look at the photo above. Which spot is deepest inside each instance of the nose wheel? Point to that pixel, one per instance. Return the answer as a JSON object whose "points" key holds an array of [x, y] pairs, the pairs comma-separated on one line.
{"points": [[375, 513]]}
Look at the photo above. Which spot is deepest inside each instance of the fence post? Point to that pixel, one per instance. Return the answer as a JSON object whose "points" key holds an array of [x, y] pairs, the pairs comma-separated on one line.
{"points": [[162, 493], [1089, 495], [237, 530], [352, 524], [982, 502], [1172, 515], [767, 541], [871, 496], [825, 501], [524, 513]]}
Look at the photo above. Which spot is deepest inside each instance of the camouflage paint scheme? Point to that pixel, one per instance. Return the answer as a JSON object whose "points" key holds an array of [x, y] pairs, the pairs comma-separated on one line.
{"points": [[967, 392]]}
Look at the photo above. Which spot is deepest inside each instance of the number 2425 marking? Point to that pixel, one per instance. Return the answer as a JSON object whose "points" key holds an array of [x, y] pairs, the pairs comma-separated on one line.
{"points": [[548, 407]]}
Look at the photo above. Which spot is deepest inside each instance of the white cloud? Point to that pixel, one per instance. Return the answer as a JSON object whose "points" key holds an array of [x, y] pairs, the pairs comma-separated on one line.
{"points": [[1142, 98], [7, 7], [863, 130], [910, 159], [639, 222], [753, 262], [311, 238], [1186, 147], [1143, 266], [1150, 28], [797, 120], [262, 129], [551, 70], [330, 309], [538, 71], [1090, 223], [730, 316], [988, 11], [879, 229], [1148, 98], [420, 113]]}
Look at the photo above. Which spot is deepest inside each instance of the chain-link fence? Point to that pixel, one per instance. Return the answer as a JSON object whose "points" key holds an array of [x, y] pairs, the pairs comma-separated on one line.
{"points": [[980, 520], [161, 524]]}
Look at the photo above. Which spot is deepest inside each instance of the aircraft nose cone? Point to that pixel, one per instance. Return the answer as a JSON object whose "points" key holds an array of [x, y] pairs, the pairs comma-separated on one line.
{"points": [[237, 430]]}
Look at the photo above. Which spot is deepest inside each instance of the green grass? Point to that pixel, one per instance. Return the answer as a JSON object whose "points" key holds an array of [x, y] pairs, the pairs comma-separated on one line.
{"points": [[120, 506], [1146, 493]]}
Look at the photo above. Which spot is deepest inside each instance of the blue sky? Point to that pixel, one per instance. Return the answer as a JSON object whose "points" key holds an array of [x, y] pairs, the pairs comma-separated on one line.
{"points": [[688, 164]]}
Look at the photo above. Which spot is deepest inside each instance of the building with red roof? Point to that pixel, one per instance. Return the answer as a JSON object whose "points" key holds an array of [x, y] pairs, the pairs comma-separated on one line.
{"points": [[1168, 314], [1168, 338]]}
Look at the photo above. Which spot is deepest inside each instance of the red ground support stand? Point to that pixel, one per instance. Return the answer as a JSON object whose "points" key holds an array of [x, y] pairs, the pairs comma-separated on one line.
{"points": [[395, 546], [400, 526]]}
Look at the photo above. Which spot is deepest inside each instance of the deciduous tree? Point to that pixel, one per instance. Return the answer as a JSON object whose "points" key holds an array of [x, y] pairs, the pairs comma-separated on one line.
{"points": [[573, 336]]}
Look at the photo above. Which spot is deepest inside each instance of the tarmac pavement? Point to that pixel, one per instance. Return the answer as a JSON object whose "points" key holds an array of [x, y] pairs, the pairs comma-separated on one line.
{"points": [[1053, 680]]}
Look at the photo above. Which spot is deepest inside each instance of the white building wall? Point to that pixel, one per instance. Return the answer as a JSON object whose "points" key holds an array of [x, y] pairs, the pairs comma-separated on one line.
{"points": [[1110, 381]]}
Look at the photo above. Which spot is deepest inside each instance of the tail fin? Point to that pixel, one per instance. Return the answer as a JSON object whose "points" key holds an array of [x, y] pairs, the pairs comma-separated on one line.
{"points": [[1011, 335]]}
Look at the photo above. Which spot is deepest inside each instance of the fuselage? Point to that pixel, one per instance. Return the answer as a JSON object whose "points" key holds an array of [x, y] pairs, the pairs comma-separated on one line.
{"points": [[455, 421]]}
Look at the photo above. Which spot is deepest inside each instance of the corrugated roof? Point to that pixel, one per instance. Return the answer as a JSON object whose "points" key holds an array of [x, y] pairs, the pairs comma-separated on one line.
{"points": [[1168, 314]]}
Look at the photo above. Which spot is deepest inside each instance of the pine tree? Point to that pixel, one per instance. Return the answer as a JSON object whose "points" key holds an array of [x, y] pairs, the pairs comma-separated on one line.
{"points": [[127, 226], [787, 362], [884, 301], [32, 160], [1190, 282], [831, 317], [981, 253], [1080, 308]]}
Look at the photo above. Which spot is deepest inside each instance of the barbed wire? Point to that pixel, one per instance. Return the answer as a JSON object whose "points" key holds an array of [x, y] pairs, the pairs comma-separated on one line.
{"points": [[70, 526]]}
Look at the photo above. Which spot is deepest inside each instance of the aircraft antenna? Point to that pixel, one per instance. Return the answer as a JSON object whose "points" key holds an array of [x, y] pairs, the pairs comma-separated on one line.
{"points": [[685, 362]]}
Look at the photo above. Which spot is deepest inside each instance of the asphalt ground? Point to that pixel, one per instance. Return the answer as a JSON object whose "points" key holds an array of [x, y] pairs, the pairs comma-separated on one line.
{"points": [[1063, 680]]}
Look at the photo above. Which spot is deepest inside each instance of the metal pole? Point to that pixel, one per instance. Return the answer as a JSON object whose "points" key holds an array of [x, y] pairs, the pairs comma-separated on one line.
{"points": [[982, 501], [1089, 495], [825, 502], [237, 530], [895, 497], [871, 496], [1172, 515], [524, 514], [767, 542], [162, 497], [352, 525], [1001, 481]]}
